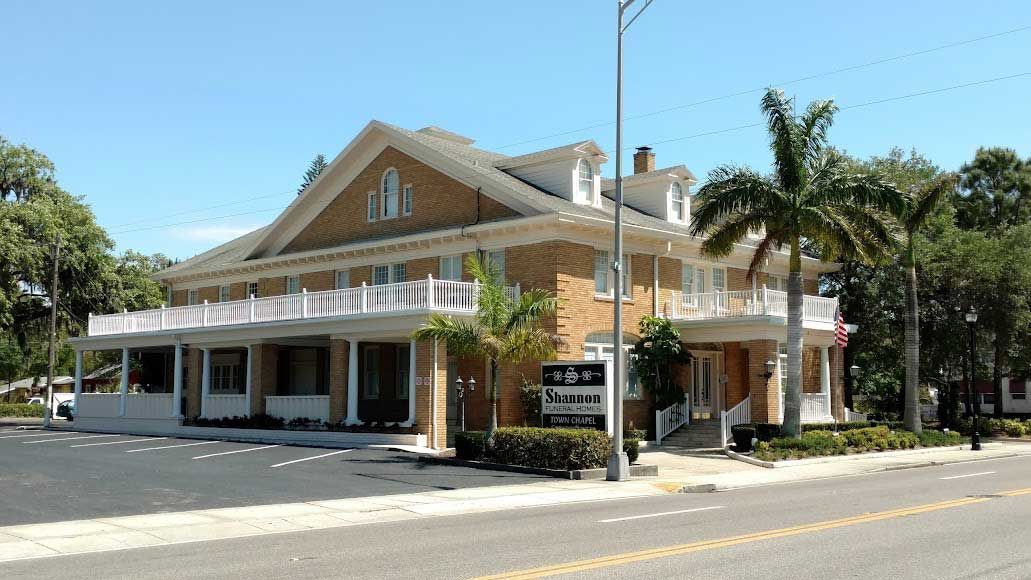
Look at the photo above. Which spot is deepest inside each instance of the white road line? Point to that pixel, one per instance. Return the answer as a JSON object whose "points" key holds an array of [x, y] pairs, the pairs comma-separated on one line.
{"points": [[968, 475], [609, 521], [172, 446], [237, 451], [119, 442], [68, 439], [310, 458], [38, 434]]}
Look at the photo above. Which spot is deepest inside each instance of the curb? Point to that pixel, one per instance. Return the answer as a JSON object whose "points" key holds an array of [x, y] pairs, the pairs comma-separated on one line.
{"points": [[840, 458], [575, 474]]}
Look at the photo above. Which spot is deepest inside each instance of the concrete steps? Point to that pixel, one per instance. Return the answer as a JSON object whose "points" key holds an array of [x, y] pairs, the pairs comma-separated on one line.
{"points": [[697, 435]]}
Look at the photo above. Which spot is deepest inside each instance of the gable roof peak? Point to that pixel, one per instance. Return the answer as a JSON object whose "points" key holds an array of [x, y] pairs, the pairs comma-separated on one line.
{"points": [[439, 133]]}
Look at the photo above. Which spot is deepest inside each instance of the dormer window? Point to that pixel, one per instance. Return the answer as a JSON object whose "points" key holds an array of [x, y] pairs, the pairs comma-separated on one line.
{"points": [[389, 190], [585, 183], [678, 205]]}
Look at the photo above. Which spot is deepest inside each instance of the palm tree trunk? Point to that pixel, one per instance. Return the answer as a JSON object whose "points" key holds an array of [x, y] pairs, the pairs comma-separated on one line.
{"points": [[911, 409], [493, 425], [793, 390]]}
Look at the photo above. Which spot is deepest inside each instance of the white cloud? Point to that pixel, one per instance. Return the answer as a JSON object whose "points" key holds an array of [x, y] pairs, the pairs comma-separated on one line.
{"points": [[216, 234]]}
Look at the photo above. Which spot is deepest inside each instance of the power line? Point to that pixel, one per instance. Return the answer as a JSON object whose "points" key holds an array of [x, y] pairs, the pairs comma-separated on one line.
{"points": [[784, 83], [226, 204], [162, 226]]}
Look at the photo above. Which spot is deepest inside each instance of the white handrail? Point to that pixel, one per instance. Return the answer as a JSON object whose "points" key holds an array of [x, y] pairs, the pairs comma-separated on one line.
{"points": [[851, 415], [737, 303], [739, 414], [672, 418], [401, 297]]}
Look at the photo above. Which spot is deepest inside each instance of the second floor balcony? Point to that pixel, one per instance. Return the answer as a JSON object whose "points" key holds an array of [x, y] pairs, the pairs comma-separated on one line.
{"points": [[817, 311], [403, 298]]}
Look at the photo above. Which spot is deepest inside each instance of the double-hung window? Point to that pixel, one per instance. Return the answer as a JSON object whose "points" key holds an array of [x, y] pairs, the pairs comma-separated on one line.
{"points": [[192, 297], [585, 181], [390, 189], [403, 358], [252, 289], [631, 389], [406, 200], [451, 267], [373, 212], [388, 273], [603, 274], [370, 389], [223, 293], [343, 279], [779, 283], [679, 207], [497, 260], [293, 284], [719, 279]]}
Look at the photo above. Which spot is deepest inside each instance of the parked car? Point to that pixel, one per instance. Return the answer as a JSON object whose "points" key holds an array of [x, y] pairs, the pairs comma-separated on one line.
{"points": [[35, 401], [66, 409]]}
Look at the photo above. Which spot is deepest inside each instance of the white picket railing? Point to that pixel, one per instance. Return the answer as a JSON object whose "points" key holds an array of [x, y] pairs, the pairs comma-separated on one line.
{"points": [[148, 406], [739, 414], [97, 405], [293, 407], [218, 406], [816, 408], [759, 302], [672, 418], [402, 297], [851, 415]]}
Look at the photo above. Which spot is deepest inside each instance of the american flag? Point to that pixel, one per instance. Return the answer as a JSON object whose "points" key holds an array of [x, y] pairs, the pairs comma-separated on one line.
{"points": [[840, 332]]}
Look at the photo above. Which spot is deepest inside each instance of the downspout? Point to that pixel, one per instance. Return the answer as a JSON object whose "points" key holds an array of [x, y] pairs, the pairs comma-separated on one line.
{"points": [[475, 222], [655, 278]]}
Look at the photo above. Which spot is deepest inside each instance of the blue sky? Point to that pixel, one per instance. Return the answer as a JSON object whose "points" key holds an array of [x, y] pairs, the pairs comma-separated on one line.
{"points": [[153, 110]]}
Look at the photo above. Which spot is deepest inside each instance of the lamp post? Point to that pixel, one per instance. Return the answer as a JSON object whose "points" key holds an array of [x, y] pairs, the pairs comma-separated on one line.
{"points": [[971, 318], [619, 464], [460, 392]]}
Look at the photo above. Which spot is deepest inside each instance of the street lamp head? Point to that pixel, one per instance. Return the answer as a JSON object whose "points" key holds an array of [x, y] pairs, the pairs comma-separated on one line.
{"points": [[472, 384], [854, 371], [770, 367], [458, 383], [971, 315]]}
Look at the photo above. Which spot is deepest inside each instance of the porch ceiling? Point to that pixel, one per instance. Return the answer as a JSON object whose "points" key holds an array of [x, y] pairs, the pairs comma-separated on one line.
{"points": [[752, 328]]}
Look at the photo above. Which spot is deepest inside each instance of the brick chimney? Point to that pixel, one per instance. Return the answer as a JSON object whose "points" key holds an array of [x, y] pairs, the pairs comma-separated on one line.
{"points": [[644, 160]]}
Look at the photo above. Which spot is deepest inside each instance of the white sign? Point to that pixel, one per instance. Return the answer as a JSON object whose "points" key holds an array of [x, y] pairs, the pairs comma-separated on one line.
{"points": [[576, 394]]}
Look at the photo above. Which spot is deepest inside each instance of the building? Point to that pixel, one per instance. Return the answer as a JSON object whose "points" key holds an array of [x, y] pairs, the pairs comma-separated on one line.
{"points": [[311, 315]]}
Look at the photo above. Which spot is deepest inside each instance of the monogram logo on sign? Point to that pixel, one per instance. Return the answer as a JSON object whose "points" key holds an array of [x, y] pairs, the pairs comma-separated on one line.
{"points": [[571, 377]]}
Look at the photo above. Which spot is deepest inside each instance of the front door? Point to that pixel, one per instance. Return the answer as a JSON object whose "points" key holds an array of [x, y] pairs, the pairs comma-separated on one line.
{"points": [[704, 381]]}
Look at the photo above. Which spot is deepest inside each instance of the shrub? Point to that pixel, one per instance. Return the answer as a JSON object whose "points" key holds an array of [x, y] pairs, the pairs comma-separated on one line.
{"points": [[20, 410], [823, 443], [632, 447], [743, 435], [845, 426], [933, 438], [469, 445], [767, 431], [1014, 428], [550, 448], [530, 397]]}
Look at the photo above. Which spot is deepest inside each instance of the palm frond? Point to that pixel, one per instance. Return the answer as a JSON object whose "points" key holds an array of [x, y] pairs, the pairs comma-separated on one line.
{"points": [[762, 252], [818, 117], [786, 141], [839, 186], [531, 306], [733, 190], [924, 200], [462, 338], [723, 237], [527, 344]]}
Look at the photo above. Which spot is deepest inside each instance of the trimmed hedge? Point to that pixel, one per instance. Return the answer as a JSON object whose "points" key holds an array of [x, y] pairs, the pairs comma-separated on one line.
{"points": [[469, 445], [632, 447], [770, 431], [20, 410], [566, 449], [743, 435], [824, 443]]}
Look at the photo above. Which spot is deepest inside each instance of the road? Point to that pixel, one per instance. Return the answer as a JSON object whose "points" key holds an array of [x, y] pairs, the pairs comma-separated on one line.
{"points": [[953, 524]]}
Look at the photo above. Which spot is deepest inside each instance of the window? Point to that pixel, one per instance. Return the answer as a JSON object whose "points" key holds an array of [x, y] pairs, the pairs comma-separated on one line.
{"points": [[252, 289], [224, 378], [343, 279], [1018, 396], [192, 297], [719, 279], [497, 258], [407, 200], [779, 283], [598, 346], [782, 365], [403, 353], [223, 293], [585, 180], [388, 273], [371, 386], [371, 216], [389, 190], [677, 198], [293, 284], [987, 398], [603, 282], [451, 267]]}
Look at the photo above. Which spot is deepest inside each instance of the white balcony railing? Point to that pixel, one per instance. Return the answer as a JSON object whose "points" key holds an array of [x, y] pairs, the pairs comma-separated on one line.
{"points": [[816, 408], [299, 406], [400, 298], [759, 302]]}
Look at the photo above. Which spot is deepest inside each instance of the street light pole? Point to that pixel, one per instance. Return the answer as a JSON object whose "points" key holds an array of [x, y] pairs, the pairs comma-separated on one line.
{"points": [[48, 410], [619, 464], [975, 439]]}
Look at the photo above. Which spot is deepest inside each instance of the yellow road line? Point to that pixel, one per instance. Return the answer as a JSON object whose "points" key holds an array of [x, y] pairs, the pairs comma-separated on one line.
{"points": [[677, 550]]}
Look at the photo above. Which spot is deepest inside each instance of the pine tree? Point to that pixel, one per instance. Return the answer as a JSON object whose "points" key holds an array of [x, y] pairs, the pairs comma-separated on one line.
{"points": [[314, 170]]}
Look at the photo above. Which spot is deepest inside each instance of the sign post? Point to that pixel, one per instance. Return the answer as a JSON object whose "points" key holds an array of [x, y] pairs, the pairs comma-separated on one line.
{"points": [[576, 394]]}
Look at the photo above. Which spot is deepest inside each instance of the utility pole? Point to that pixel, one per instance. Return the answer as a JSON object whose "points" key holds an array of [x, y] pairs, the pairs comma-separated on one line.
{"points": [[619, 464], [48, 410]]}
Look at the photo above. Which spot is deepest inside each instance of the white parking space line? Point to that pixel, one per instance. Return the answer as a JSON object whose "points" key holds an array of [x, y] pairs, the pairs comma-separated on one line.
{"points": [[968, 475], [237, 451], [172, 446], [119, 442], [38, 434], [310, 458], [609, 521], [68, 439]]}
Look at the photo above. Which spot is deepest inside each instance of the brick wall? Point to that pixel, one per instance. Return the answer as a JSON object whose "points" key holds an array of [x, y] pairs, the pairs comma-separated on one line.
{"points": [[736, 369], [265, 375], [319, 281], [424, 402], [338, 361], [238, 291], [192, 359], [437, 201], [765, 392]]}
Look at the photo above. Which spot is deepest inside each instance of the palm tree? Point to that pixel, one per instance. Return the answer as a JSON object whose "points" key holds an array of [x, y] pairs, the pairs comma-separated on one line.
{"points": [[504, 330], [918, 208], [812, 198]]}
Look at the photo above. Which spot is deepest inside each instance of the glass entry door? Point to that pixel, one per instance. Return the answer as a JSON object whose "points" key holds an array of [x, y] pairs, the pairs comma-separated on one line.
{"points": [[704, 382]]}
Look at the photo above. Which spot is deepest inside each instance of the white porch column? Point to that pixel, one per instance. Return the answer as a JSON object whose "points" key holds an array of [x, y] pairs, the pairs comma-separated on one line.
{"points": [[352, 383], [177, 381], [78, 379], [205, 381], [411, 385], [123, 391], [248, 386], [825, 378]]}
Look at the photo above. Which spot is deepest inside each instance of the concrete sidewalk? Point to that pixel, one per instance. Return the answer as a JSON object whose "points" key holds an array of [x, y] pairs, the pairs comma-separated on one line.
{"points": [[138, 531], [704, 472]]}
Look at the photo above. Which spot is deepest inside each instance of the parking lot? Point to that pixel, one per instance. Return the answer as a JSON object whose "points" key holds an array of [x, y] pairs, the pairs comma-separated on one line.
{"points": [[48, 476]]}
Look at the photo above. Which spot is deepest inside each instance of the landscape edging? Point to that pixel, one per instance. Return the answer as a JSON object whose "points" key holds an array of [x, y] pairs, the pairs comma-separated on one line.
{"points": [[837, 458]]}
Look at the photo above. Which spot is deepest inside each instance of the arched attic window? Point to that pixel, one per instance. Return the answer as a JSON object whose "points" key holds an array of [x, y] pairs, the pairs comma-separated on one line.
{"points": [[389, 190], [585, 182]]}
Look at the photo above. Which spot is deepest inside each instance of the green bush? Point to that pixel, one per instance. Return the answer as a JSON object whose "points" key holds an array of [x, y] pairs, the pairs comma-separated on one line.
{"points": [[632, 447], [1014, 428], [933, 438], [20, 410], [469, 445], [530, 398], [550, 448], [845, 426], [824, 443], [767, 431]]}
